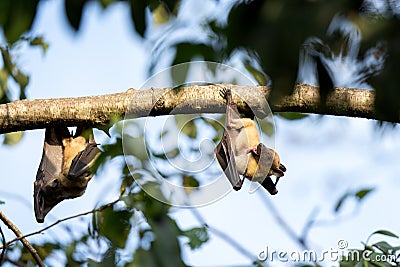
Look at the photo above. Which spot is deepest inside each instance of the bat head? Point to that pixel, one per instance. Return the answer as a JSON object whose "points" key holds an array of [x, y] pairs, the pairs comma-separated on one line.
{"points": [[48, 194]]}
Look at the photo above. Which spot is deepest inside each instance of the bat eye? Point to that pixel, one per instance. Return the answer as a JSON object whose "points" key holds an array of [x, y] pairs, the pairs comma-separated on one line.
{"points": [[55, 183]]}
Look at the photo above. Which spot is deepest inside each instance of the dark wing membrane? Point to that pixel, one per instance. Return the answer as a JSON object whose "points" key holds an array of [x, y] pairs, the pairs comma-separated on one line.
{"points": [[265, 160], [83, 161], [49, 167], [226, 160], [269, 185]]}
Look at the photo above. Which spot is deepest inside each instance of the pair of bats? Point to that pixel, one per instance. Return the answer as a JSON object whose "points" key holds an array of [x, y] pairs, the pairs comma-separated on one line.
{"points": [[240, 151], [65, 167]]}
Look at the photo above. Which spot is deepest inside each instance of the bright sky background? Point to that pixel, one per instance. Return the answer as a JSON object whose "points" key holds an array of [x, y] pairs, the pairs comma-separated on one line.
{"points": [[325, 156]]}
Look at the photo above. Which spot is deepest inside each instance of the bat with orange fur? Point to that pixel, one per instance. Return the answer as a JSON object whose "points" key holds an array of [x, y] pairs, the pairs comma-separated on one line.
{"points": [[64, 170], [240, 151]]}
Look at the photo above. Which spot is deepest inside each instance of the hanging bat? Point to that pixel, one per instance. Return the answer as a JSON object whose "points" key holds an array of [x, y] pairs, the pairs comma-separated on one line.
{"points": [[240, 152], [64, 170]]}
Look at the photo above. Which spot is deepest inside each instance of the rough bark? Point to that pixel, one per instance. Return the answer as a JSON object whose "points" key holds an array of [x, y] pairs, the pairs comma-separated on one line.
{"points": [[98, 110]]}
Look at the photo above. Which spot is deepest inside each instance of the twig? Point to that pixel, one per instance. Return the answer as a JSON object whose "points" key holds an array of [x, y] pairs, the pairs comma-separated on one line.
{"points": [[16, 263], [278, 217], [62, 220], [236, 245], [24, 241], [3, 240], [309, 223]]}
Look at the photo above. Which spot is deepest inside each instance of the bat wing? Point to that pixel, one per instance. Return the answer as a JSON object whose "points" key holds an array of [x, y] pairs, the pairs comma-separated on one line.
{"points": [[269, 185], [226, 160], [83, 161], [265, 159], [50, 166], [265, 162]]}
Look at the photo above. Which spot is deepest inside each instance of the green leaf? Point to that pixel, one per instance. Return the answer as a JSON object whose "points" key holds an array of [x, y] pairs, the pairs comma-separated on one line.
{"points": [[161, 14], [197, 237], [267, 127], [165, 247], [143, 258], [257, 74], [292, 115], [384, 246], [138, 15], [39, 41], [2, 202], [13, 138], [359, 195], [115, 225], [168, 155], [189, 184], [106, 3], [108, 259], [340, 202], [186, 125], [17, 17], [363, 192], [74, 10], [385, 232]]}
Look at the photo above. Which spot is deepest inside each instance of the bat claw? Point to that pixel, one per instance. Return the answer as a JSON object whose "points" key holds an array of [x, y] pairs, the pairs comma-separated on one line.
{"points": [[225, 93]]}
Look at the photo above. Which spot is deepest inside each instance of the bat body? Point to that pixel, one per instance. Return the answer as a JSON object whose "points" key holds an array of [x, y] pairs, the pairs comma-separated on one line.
{"points": [[240, 151], [64, 169]]}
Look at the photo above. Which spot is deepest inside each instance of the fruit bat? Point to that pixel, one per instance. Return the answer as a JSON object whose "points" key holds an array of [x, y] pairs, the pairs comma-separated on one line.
{"points": [[240, 151], [64, 170]]}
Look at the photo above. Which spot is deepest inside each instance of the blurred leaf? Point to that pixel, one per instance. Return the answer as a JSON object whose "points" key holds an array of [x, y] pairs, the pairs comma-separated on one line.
{"points": [[161, 14], [340, 202], [168, 155], [197, 237], [292, 115], [266, 126], [135, 146], [4, 86], [165, 247], [143, 258], [138, 15], [106, 3], [39, 41], [258, 75], [189, 184], [22, 81], [384, 246], [385, 232], [186, 125], [359, 195], [115, 225], [74, 10], [363, 193], [46, 249], [13, 138], [185, 52], [107, 260], [2, 202], [17, 17]]}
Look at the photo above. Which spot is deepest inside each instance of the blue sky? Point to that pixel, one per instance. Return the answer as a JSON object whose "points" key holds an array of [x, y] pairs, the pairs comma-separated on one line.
{"points": [[325, 156]]}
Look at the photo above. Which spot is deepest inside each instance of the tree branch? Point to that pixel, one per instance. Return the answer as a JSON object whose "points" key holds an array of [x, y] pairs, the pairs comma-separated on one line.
{"points": [[24, 241], [99, 110]]}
